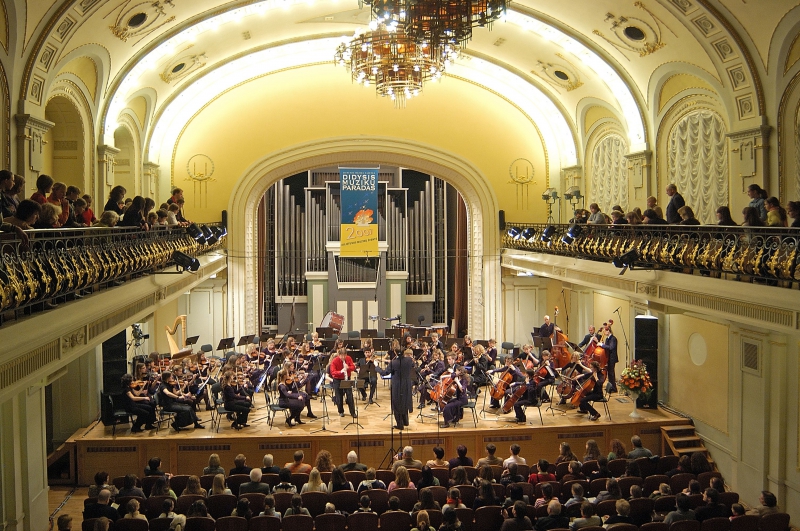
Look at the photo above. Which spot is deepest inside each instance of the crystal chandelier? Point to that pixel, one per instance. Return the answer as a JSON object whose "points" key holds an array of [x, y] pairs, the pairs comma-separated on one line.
{"points": [[398, 65]]}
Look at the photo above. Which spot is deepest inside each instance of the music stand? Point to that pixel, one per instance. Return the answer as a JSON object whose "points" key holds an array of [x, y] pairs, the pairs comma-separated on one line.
{"points": [[245, 340], [225, 345], [371, 333], [353, 344], [419, 331], [547, 343], [381, 344], [425, 339], [191, 340], [348, 384], [324, 332], [394, 333], [329, 344]]}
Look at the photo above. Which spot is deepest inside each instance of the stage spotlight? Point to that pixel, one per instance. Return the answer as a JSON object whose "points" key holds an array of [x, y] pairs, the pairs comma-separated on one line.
{"points": [[573, 232], [548, 233], [527, 234], [184, 262], [220, 231], [211, 238], [551, 194], [197, 233], [626, 260], [573, 193], [513, 233]]}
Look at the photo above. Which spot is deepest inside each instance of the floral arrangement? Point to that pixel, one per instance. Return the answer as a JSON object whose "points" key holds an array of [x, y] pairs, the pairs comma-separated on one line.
{"points": [[635, 379]]}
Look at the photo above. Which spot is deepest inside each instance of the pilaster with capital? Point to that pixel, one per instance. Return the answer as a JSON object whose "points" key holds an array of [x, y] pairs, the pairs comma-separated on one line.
{"points": [[639, 172], [105, 164], [151, 174], [30, 145], [749, 164], [572, 176]]}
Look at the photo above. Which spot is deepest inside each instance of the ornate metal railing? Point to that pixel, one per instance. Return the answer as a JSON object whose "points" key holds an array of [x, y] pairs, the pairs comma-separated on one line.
{"points": [[56, 263], [751, 252]]}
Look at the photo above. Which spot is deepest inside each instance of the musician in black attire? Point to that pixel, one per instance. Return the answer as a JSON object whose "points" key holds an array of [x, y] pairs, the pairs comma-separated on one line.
{"points": [[367, 372], [572, 372], [531, 397], [547, 329], [609, 344], [436, 342], [546, 375], [432, 371], [173, 400], [479, 365], [401, 370], [518, 377], [291, 397], [137, 402], [596, 392], [235, 401], [453, 410], [588, 337]]}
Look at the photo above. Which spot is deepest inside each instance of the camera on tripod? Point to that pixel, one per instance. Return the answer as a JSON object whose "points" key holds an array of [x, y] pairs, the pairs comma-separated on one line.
{"points": [[137, 334]]}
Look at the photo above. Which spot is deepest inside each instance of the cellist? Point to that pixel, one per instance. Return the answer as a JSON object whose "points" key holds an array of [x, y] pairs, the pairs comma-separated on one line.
{"points": [[570, 374], [453, 410], [531, 398], [517, 376], [594, 393]]}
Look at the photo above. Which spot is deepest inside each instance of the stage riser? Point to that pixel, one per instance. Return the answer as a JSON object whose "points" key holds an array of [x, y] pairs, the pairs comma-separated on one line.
{"points": [[188, 453]]}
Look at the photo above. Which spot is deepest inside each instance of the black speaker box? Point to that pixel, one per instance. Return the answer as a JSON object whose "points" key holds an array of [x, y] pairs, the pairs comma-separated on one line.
{"points": [[115, 362], [502, 219], [646, 349], [645, 334]]}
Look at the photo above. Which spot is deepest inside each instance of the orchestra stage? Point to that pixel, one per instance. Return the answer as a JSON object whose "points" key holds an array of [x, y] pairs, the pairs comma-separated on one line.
{"points": [[94, 448]]}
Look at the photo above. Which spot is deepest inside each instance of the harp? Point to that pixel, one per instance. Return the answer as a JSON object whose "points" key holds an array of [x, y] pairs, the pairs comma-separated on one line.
{"points": [[178, 350]]}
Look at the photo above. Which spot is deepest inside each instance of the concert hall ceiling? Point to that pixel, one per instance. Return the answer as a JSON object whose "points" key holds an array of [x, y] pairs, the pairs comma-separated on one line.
{"points": [[565, 64]]}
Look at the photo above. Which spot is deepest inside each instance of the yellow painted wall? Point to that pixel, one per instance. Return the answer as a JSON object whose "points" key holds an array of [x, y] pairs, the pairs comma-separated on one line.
{"points": [[86, 70], [677, 84], [604, 306], [595, 113], [139, 107], [290, 108], [699, 390]]}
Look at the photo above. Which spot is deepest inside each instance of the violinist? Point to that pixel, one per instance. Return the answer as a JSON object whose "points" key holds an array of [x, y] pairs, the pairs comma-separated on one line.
{"points": [[367, 372], [172, 399], [467, 343], [609, 344], [235, 401], [595, 392], [517, 376], [436, 342], [291, 397], [204, 372], [479, 365], [454, 409], [316, 342], [409, 342], [341, 368], [588, 337], [455, 351], [491, 351], [435, 368], [395, 349], [192, 376], [312, 368], [545, 375], [151, 379], [136, 402], [531, 397]]}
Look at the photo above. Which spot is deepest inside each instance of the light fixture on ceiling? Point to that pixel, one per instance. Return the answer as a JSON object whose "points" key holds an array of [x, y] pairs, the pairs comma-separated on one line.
{"points": [[398, 66], [626, 260]]}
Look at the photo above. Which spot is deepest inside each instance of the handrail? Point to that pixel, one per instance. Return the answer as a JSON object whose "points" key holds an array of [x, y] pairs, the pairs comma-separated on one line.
{"points": [[765, 253], [55, 263]]}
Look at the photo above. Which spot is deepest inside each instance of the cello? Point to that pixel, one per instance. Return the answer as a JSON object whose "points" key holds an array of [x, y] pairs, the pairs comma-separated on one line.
{"points": [[598, 353], [499, 389], [516, 395], [583, 389]]}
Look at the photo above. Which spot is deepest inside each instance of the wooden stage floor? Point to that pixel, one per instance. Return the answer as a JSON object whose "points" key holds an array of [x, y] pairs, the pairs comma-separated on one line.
{"points": [[186, 452]]}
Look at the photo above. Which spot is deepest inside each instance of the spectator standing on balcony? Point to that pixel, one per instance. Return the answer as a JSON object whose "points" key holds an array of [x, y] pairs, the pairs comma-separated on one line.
{"points": [[596, 217], [135, 216], [44, 184], [116, 200], [88, 213], [758, 196], [58, 197], [675, 203], [652, 204]]}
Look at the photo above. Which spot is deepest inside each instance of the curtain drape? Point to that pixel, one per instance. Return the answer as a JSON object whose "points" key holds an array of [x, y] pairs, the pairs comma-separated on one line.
{"points": [[461, 287], [609, 173], [698, 162]]}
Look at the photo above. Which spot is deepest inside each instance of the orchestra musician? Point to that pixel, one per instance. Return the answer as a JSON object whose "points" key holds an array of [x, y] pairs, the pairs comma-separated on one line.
{"points": [[341, 368], [367, 372], [596, 392], [609, 344], [290, 397], [138, 403], [395, 349], [518, 377], [436, 342], [574, 371], [455, 351], [531, 398], [316, 342], [454, 409], [401, 370], [491, 351], [546, 376], [144, 374], [588, 337], [173, 400], [547, 329], [478, 366], [431, 371], [528, 357], [235, 401]]}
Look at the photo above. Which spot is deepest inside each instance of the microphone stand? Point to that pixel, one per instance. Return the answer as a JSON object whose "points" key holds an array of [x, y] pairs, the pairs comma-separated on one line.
{"points": [[627, 346], [390, 453]]}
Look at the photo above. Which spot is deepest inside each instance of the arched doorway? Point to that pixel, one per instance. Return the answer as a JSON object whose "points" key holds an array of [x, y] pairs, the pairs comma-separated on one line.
{"points": [[64, 151]]}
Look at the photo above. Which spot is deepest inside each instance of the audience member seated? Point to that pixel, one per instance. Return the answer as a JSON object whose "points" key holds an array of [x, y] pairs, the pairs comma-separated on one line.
{"points": [[407, 461], [565, 454], [519, 521], [100, 483], [339, 482], [490, 458], [218, 486], [161, 488], [485, 473], [540, 474], [602, 470], [193, 487], [64, 523], [683, 510], [269, 508], [623, 515], [438, 460], [298, 466], [663, 490], [458, 477], [129, 487], [315, 483], [769, 504], [617, 450], [241, 467], [198, 509], [699, 463], [214, 466], [423, 522], [577, 495], [268, 466], [636, 492], [592, 451], [684, 466], [370, 482], [243, 509], [152, 468], [167, 509], [485, 497], [296, 507], [631, 470], [514, 457], [365, 505], [285, 484], [132, 511], [515, 494], [712, 507], [612, 491], [693, 488], [511, 475], [426, 502], [255, 485], [427, 479], [718, 484], [101, 507], [554, 518], [450, 521], [587, 519], [453, 500], [352, 463], [324, 462], [547, 495], [401, 480], [574, 472], [461, 459], [638, 450]]}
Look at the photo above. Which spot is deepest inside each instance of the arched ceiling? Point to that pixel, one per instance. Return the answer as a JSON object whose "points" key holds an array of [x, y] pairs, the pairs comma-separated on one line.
{"points": [[183, 52]]}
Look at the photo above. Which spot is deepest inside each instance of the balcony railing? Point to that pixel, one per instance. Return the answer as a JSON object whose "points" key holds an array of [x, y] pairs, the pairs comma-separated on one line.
{"points": [[748, 253], [57, 264]]}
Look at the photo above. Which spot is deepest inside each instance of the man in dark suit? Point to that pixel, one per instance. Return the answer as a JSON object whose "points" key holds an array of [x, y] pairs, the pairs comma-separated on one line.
{"points": [[402, 372], [675, 202], [588, 337], [101, 508], [254, 485], [241, 467], [610, 346]]}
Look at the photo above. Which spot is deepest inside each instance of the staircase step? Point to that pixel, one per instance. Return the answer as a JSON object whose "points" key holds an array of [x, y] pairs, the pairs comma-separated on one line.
{"points": [[681, 427], [693, 440], [688, 450]]}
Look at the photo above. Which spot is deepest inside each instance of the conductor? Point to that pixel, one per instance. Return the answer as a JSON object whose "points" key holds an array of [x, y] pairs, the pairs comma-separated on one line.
{"points": [[401, 370]]}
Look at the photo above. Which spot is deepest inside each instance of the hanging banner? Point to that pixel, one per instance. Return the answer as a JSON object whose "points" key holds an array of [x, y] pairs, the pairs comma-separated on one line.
{"points": [[359, 224]]}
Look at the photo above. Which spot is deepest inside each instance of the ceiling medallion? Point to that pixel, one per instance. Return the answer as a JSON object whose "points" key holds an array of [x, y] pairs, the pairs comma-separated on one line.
{"points": [[636, 34], [140, 19], [388, 58]]}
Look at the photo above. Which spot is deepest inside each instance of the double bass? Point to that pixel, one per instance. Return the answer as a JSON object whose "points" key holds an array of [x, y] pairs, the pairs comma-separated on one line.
{"points": [[560, 352], [597, 353]]}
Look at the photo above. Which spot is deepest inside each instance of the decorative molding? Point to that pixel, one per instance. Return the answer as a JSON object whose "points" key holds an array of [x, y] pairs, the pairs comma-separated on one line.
{"points": [[137, 20], [74, 339], [651, 32], [646, 289], [106, 162], [33, 130], [639, 168]]}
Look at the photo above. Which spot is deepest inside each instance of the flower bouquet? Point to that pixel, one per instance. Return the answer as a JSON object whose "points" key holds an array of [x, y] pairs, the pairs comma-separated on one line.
{"points": [[636, 381]]}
